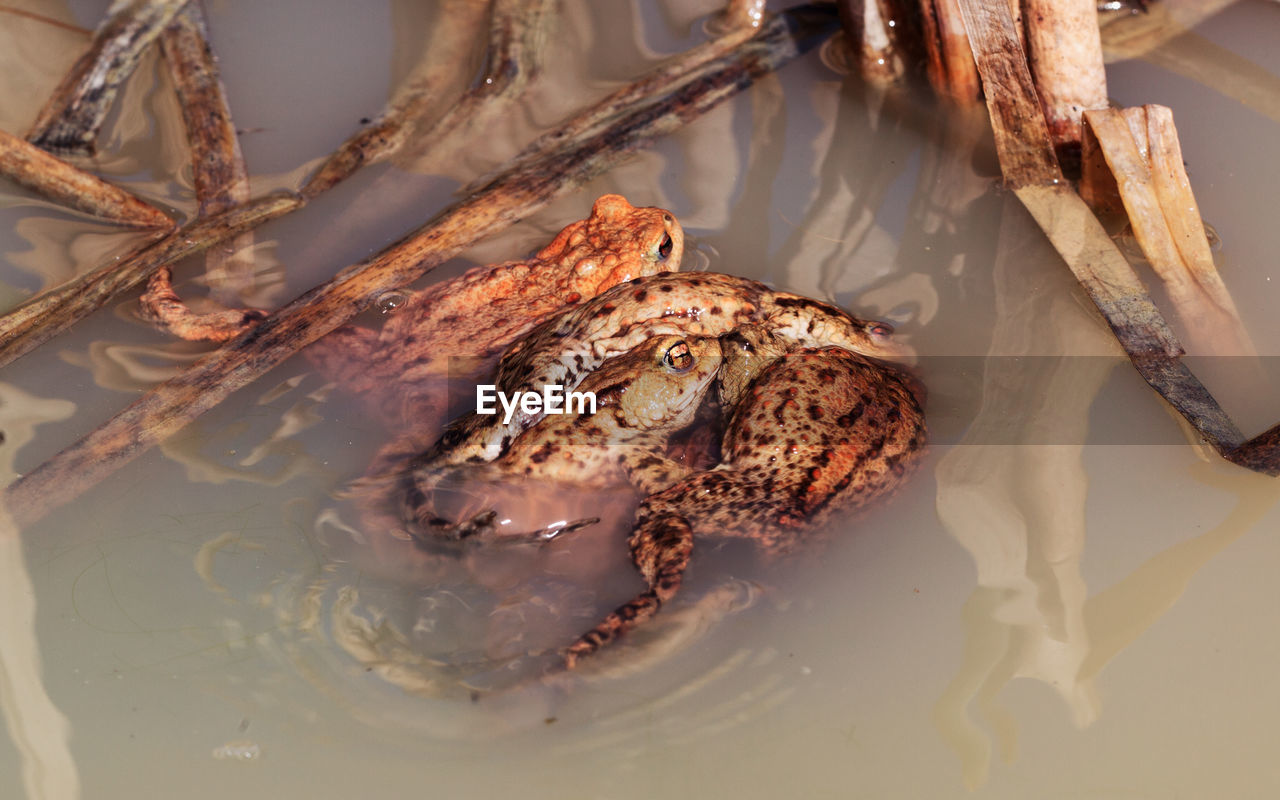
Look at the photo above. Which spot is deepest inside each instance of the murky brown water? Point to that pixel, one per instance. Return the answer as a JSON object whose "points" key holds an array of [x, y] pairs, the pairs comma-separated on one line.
{"points": [[1066, 603]]}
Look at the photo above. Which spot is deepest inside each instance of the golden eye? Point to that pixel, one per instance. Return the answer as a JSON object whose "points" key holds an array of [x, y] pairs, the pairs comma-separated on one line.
{"points": [[665, 247], [678, 357], [879, 330]]}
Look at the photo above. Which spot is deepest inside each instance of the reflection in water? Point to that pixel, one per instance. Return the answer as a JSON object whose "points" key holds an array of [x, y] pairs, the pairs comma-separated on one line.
{"points": [[38, 729], [273, 460], [1020, 512], [1119, 614], [1019, 509], [458, 660]]}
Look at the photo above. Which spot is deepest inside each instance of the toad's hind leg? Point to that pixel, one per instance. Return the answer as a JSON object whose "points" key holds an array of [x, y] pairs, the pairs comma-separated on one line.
{"points": [[660, 549]]}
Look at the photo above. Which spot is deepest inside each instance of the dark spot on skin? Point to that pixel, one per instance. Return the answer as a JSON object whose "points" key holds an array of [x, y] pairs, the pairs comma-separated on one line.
{"points": [[844, 482], [542, 454], [641, 295], [715, 311], [853, 415], [733, 337], [665, 288]]}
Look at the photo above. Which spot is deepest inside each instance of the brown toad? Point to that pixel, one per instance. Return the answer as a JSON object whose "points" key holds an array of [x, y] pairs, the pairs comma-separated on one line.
{"points": [[809, 433], [565, 348], [475, 315], [638, 400]]}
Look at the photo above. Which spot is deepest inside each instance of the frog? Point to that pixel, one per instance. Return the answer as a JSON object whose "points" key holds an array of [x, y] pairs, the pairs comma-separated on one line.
{"points": [[811, 432], [464, 322], [640, 398], [568, 346]]}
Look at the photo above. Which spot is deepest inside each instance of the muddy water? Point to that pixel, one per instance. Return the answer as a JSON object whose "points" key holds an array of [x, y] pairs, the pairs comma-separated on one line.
{"points": [[1067, 602]]}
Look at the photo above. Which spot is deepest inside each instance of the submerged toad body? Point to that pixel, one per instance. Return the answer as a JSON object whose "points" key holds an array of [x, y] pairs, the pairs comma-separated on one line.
{"points": [[810, 432], [640, 397], [477, 314]]}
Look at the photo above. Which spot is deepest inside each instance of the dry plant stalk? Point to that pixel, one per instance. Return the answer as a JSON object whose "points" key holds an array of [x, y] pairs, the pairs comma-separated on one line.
{"points": [[511, 196], [30, 167], [600, 116], [221, 182], [741, 14], [1084, 244], [449, 44], [874, 49], [72, 118], [1065, 52], [518, 32], [40, 319], [1140, 146], [950, 66]]}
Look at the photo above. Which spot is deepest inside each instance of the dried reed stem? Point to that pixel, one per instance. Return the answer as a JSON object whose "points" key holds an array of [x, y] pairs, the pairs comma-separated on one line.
{"points": [[70, 121], [518, 32], [949, 63], [1141, 149], [35, 322], [51, 177], [1065, 51], [449, 44], [221, 182], [874, 47]]}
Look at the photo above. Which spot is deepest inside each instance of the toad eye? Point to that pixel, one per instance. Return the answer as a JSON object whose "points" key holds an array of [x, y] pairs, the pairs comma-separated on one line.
{"points": [[879, 330], [665, 247], [678, 357]]}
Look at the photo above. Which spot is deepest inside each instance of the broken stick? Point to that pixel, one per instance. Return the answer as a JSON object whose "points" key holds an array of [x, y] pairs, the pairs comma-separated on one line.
{"points": [[30, 167], [70, 121]]}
